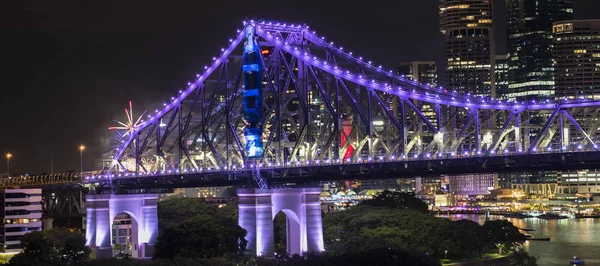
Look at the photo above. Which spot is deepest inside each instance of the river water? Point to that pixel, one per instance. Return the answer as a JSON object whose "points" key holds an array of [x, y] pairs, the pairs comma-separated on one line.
{"points": [[568, 238]]}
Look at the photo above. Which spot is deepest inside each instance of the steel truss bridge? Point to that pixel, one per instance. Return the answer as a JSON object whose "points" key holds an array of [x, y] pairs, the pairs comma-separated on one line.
{"points": [[328, 114]]}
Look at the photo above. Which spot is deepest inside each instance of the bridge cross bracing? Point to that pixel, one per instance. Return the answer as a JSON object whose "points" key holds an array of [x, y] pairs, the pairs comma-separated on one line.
{"points": [[325, 106]]}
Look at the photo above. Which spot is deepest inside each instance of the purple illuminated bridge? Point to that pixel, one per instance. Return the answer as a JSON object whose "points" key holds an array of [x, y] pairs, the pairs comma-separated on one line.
{"points": [[327, 114], [332, 114]]}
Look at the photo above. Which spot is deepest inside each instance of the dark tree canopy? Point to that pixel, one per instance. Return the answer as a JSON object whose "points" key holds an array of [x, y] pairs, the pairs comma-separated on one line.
{"points": [[59, 246], [194, 229], [397, 200], [503, 234]]}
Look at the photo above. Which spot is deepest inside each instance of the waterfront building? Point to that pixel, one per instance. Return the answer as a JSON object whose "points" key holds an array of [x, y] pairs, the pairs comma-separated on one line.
{"points": [[579, 182], [577, 55], [530, 44], [22, 213], [471, 184], [469, 46]]}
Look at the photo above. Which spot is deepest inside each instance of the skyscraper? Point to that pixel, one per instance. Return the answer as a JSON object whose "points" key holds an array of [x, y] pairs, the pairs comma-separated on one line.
{"points": [[501, 71], [577, 74], [529, 26], [577, 55], [424, 72], [469, 42]]}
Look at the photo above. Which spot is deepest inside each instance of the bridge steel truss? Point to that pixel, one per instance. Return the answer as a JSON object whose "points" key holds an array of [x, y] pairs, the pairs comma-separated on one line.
{"points": [[324, 106]]}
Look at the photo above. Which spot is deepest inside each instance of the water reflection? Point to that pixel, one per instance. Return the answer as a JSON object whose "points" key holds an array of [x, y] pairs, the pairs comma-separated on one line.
{"points": [[568, 238]]}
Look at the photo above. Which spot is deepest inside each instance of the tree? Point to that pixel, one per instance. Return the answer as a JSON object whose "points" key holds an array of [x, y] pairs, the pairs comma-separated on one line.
{"points": [[397, 200], [58, 246], [503, 234], [176, 210], [202, 236]]}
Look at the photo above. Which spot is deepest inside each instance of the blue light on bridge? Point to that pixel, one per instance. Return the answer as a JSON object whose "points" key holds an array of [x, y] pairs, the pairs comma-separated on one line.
{"points": [[252, 68]]}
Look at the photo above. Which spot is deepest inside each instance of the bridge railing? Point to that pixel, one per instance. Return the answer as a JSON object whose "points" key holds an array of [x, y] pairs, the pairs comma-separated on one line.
{"points": [[44, 180]]}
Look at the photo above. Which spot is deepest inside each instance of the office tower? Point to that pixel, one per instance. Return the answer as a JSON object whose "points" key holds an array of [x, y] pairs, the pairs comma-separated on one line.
{"points": [[22, 213], [529, 28], [577, 76], [577, 56], [469, 45], [501, 72], [424, 72]]}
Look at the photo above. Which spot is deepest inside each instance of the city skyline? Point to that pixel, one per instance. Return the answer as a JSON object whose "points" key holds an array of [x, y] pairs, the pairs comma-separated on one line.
{"points": [[95, 68]]}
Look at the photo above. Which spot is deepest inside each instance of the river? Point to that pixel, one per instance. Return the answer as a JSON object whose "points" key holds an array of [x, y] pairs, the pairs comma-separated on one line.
{"points": [[568, 238]]}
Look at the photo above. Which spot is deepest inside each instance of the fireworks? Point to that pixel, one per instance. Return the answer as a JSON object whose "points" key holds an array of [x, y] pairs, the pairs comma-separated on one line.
{"points": [[126, 128]]}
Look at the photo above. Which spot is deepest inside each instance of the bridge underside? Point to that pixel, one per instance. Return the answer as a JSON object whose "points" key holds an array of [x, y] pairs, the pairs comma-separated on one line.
{"points": [[303, 175]]}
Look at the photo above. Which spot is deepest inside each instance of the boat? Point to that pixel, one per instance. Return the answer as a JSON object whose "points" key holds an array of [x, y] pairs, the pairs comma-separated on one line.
{"points": [[517, 215], [526, 229], [533, 238], [552, 216], [576, 261], [587, 215], [538, 239]]}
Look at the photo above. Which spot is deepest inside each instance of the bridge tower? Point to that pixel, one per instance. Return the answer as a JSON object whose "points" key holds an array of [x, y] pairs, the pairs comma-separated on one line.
{"points": [[101, 212], [302, 208]]}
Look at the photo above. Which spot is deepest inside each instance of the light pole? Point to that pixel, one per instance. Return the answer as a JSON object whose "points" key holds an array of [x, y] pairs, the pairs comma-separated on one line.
{"points": [[81, 148], [8, 155], [445, 254]]}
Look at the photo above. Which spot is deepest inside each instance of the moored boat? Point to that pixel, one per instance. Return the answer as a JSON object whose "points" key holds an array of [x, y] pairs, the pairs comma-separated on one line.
{"points": [[576, 261]]}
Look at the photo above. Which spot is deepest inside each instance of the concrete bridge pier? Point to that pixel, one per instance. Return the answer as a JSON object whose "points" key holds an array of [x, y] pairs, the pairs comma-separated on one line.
{"points": [[101, 212], [302, 208]]}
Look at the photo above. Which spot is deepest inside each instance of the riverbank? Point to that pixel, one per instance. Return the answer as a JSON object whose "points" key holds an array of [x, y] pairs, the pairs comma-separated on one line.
{"points": [[494, 260]]}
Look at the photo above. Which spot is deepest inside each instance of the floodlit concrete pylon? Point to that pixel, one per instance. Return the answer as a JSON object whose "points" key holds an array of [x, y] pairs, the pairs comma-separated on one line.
{"points": [[258, 207], [101, 212]]}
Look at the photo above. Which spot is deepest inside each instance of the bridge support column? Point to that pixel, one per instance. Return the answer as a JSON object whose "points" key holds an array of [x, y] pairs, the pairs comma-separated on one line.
{"points": [[101, 211], [304, 222]]}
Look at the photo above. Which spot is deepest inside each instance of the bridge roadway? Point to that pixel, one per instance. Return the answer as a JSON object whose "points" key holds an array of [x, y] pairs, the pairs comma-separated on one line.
{"points": [[310, 173]]}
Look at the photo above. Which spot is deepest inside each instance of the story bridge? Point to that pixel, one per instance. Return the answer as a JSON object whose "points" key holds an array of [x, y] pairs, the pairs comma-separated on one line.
{"points": [[280, 106]]}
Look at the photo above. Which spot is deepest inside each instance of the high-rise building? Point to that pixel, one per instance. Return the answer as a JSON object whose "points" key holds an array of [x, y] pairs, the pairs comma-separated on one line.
{"points": [[577, 76], [529, 27], [22, 213], [469, 42], [501, 72], [577, 55], [424, 72]]}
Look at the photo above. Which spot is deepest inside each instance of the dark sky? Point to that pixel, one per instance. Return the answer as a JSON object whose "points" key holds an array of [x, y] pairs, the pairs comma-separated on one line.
{"points": [[69, 67]]}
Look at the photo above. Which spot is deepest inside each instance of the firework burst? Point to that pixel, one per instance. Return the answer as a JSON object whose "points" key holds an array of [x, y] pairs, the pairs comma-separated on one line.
{"points": [[126, 128]]}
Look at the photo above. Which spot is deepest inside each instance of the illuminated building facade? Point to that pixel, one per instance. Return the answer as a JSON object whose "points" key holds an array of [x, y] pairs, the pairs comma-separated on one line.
{"points": [[424, 72], [529, 26], [577, 55], [469, 42], [582, 182], [501, 72], [471, 184], [22, 213]]}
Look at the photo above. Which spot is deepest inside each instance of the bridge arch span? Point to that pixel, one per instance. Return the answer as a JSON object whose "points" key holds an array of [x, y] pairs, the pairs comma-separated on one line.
{"points": [[304, 229], [101, 212]]}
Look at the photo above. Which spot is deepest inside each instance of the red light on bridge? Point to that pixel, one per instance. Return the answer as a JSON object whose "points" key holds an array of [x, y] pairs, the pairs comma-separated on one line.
{"points": [[265, 52]]}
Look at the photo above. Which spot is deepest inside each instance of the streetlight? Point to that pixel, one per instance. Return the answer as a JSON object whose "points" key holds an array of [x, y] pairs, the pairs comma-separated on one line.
{"points": [[445, 254], [81, 148], [8, 155]]}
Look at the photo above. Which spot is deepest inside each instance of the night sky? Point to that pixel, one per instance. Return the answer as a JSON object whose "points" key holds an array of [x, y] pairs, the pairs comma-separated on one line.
{"points": [[68, 68]]}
